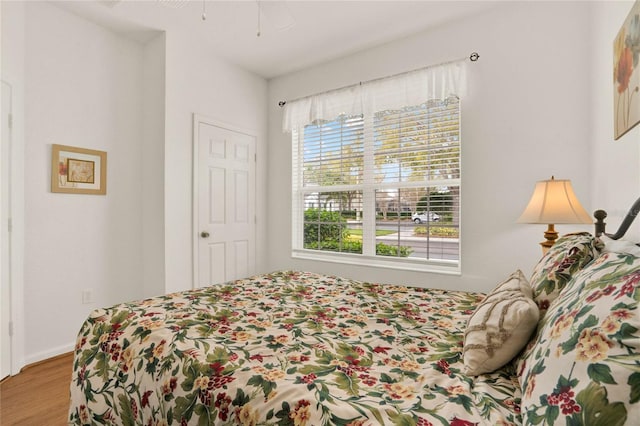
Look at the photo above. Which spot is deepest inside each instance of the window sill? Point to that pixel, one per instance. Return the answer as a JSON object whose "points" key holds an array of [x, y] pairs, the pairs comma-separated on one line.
{"points": [[405, 264]]}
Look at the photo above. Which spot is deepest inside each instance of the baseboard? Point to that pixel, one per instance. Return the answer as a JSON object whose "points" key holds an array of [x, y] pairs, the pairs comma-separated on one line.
{"points": [[52, 353]]}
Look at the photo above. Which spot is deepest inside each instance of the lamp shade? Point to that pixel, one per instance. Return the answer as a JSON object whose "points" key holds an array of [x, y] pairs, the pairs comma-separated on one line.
{"points": [[553, 201]]}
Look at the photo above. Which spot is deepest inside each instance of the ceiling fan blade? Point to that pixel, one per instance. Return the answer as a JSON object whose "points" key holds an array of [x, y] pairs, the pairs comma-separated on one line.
{"points": [[173, 4], [278, 14], [109, 3]]}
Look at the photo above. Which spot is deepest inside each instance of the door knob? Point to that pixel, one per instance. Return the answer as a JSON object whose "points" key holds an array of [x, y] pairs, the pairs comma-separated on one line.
{"points": [[204, 234]]}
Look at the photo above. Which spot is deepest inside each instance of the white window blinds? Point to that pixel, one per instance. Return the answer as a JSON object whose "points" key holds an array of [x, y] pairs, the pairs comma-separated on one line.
{"points": [[333, 153], [418, 143]]}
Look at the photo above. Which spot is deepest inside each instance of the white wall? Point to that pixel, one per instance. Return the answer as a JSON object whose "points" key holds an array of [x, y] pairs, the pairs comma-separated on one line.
{"points": [[199, 82], [615, 164], [525, 119], [82, 88]]}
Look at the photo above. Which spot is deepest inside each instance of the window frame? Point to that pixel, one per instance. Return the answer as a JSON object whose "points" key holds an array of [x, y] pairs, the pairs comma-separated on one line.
{"points": [[368, 188]]}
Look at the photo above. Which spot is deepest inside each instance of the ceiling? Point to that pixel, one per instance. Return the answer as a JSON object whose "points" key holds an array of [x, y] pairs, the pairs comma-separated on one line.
{"points": [[294, 34]]}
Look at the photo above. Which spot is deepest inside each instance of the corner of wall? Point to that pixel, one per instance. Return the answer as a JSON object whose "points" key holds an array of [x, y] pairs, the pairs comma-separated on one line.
{"points": [[153, 115]]}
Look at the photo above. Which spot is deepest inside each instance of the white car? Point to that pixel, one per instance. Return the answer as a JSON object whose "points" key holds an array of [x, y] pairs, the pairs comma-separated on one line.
{"points": [[425, 217]]}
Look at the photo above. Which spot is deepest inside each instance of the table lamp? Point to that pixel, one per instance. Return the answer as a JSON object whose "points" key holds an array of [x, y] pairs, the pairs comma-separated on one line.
{"points": [[553, 201]]}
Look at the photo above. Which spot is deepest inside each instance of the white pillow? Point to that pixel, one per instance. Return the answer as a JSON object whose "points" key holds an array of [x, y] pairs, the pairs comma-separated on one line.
{"points": [[500, 327], [619, 246]]}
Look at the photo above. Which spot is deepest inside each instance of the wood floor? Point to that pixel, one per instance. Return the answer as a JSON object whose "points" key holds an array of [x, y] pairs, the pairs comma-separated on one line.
{"points": [[39, 395]]}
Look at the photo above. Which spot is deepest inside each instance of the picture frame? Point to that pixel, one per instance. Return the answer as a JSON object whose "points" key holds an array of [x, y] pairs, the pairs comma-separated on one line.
{"points": [[626, 74], [78, 170]]}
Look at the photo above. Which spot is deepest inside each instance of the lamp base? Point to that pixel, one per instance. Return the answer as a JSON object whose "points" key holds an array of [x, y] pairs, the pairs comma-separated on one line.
{"points": [[551, 236]]}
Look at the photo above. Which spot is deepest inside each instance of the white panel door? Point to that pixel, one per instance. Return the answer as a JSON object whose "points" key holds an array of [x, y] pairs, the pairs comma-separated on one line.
{"points": [[5, 237], [225, 220]]}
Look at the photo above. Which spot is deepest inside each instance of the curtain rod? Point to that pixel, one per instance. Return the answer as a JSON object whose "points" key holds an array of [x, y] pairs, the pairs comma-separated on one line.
{"points": [[473, 58]]}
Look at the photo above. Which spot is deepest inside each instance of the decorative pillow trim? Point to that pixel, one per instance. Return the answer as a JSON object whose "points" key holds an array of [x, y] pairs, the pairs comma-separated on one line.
{"points": [[502, 334]]}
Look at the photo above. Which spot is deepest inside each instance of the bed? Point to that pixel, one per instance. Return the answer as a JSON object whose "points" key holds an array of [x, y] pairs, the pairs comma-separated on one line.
{"points": [[299, 348]]}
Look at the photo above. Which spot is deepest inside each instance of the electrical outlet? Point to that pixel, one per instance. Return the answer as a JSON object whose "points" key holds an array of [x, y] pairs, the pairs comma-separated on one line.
{"points": [[87, 296]]}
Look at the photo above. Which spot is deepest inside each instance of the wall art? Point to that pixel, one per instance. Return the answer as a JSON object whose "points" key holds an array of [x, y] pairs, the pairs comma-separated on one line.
{"points": [[626, 74], [78, 170]]}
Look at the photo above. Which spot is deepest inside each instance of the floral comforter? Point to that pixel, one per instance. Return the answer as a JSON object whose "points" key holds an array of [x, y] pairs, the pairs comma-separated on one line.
{"points": [[287, 348]]}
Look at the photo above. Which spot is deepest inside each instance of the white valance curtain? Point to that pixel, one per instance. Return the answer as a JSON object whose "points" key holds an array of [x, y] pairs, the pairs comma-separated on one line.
{"points": [[411, 88]]}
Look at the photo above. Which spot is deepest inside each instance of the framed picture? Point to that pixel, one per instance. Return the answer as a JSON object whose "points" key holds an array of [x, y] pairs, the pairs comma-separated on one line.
{"points": [[626, 74], [78, 170]]}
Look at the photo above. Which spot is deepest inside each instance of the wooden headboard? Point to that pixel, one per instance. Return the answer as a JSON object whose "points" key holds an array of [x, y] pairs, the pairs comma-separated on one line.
{"points": [[600, 215]]}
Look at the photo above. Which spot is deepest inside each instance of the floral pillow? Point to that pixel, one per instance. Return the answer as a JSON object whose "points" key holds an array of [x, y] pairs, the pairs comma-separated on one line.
{"points": [[568, 255], [500, 326], [583, 367]]}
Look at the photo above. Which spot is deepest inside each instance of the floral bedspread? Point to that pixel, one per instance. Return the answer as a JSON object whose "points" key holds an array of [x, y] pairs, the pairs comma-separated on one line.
{"points": [[287, 348]]}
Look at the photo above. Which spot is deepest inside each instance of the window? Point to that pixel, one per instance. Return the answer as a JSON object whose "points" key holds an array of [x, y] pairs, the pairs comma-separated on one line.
{"points": [[380, 186]]}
